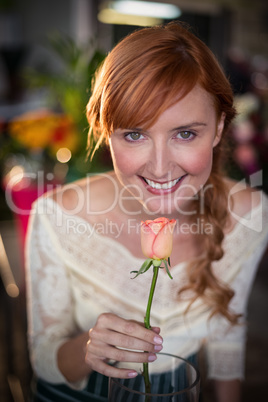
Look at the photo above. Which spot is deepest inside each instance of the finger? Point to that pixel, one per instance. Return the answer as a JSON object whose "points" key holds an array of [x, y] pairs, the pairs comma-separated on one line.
{"points": [[127, 327], [156, 330], [123, 341], [110, 371], [121, 355]]}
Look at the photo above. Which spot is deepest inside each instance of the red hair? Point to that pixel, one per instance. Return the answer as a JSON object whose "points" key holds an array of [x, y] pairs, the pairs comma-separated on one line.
{"points": [[149, 71]]}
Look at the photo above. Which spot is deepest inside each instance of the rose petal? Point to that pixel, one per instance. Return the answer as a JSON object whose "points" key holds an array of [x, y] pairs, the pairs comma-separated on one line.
{"points": [[157, 238]]}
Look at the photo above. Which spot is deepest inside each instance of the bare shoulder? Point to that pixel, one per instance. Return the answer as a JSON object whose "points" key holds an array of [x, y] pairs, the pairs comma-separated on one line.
{"points": [[87, 196], [241, 198]]}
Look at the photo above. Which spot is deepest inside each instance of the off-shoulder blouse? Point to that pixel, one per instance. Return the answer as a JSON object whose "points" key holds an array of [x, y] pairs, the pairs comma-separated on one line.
{"points": [[74, 273]]}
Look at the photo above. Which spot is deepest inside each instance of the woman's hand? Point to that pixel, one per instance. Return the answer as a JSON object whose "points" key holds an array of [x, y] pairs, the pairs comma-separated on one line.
{"points": [[110, 334]]}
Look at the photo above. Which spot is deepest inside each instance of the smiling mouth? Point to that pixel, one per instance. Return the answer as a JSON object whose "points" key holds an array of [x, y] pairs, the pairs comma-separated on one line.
{"points": [[162, 186]]}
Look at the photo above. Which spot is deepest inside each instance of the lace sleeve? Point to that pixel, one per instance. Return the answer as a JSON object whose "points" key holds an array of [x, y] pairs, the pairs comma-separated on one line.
{"points": [[226, 354], [226, 346], [49, 300]]}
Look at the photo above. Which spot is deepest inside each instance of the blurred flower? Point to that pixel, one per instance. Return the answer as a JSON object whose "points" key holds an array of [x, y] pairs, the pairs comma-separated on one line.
{"points": [[44, 130], [245, 105], [246, 157], [65, 135], [244, 131]]}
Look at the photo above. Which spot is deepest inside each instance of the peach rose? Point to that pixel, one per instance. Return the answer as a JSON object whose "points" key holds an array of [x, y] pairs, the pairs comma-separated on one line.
{"points": [[157, 238]]}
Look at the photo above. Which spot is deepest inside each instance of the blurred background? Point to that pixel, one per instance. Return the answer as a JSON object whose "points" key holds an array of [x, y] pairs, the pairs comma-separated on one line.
{"points": [[49, 51]]}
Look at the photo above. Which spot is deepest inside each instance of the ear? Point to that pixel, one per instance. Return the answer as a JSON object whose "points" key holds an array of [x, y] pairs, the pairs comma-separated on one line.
{"points": [[219, 129]]}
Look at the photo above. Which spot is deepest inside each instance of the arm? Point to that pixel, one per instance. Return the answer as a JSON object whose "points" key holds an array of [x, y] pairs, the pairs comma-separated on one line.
{"points": [[58, 350], [49, 298], [71, 358]]}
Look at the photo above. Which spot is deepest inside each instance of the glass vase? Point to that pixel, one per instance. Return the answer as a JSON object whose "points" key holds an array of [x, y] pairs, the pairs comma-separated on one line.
{"points": [[178, 380]]}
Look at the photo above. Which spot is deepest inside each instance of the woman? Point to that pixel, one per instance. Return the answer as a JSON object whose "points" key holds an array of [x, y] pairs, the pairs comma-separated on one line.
{"points": [[163, 105]]}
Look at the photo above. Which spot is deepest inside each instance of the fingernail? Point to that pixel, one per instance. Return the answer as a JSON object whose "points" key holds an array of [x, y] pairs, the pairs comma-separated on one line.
{"points": [[152, 358], [132, 374], [158, 339], [157, 348]]}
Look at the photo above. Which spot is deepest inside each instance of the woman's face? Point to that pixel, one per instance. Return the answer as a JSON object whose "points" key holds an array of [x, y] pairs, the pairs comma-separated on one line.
{"points": [[165, 166]]}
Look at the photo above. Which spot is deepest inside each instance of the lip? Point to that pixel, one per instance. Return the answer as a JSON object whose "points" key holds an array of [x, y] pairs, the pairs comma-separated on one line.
{"points": [[162, 191]]}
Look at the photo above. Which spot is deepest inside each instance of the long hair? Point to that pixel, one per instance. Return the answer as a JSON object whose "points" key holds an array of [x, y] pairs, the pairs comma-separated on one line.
{"points": [[146, 73]]}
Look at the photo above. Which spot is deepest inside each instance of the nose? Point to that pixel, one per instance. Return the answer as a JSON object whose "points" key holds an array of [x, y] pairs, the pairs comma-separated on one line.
{"points": [[161, 160]]}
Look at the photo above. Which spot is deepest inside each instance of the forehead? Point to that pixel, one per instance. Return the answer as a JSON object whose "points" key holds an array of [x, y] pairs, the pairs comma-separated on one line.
{"points": [[196, 100], [140, 101], [196, 106]]}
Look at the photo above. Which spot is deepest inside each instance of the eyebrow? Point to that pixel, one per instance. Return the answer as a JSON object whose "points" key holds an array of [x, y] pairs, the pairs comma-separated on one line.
{"points": [[190, 125], [184, 127], [133, 129]]}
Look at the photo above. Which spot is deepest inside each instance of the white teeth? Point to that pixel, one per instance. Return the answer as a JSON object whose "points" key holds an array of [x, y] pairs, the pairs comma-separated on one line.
{"points": [[163, 186]]}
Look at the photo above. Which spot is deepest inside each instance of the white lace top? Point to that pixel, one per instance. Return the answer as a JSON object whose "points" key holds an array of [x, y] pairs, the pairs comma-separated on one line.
{"points": [[75, 273]]}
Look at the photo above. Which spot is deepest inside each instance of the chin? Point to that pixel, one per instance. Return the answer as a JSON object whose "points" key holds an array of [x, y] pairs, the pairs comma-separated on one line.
{"points": [[160, 208]]}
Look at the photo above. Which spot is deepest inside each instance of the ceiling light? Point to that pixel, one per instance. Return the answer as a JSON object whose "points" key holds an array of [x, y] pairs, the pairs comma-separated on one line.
{"points": [[146, 8], [137, 12]]}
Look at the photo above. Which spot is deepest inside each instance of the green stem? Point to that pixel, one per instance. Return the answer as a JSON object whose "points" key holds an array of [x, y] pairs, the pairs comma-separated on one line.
{"points": [[150, 299], [147, 325]]}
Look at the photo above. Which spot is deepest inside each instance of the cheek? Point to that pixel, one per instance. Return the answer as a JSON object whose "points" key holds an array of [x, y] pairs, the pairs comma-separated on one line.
{"points": [[124, 162], [199, 161]]}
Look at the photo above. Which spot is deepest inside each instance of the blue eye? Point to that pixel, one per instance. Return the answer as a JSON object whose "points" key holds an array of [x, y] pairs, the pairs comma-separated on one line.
{"points": [[133, 136], [185, 135]]}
